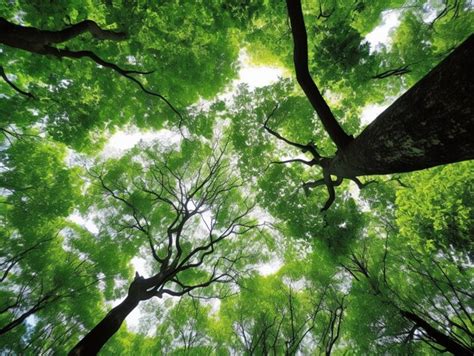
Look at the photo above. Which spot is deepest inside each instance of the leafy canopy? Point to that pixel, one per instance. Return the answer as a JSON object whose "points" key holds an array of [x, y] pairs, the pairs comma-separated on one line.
{"points": [[77, 223]]}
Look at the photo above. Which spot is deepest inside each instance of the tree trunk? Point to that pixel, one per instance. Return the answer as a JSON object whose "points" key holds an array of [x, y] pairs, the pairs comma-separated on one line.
{"points": [[438, 337], [103, 331], [140, 289], [430, 125]]}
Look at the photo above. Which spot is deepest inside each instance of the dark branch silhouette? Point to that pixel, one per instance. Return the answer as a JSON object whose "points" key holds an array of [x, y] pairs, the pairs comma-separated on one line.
{"points": [[317, 160], [189, 197], [300, 40], [32, 296], [11, 84], [40, 42], [436, 323], [393, 72], [448, 7]]}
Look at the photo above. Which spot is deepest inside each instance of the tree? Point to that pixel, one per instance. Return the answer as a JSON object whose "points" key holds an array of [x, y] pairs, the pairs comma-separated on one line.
{"points": [[185, 258], [425, 302], [76, 95], [427, 126], [271, 317], [386, 270], [187, 329], [40, 277]]}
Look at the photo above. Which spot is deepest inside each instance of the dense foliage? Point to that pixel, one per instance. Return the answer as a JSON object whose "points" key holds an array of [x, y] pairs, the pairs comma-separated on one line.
{"points": [[236, 253]]}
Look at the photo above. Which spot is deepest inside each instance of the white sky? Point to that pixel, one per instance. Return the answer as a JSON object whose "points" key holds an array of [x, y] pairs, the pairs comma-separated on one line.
{"points": [[254, 77], [370, 112], [381, 34], [123, 140], [87, 223]]}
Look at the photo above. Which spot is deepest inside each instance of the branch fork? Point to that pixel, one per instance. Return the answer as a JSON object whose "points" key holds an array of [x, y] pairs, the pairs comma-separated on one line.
{"points": [[317, 160]]}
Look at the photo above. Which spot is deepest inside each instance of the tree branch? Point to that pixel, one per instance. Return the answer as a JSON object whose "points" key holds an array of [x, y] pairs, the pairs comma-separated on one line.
{"points": [[66, 53], [13, 34], [309, 163], [84, 26], [393, 72], [11, 84], [39, 41], [300, 56], [310, 147]]}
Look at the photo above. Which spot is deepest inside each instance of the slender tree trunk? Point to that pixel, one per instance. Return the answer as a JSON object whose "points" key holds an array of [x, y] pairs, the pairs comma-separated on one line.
{"points": [[106, 328], [438, 337], [110, 324], [18, 321], [430, 125]]}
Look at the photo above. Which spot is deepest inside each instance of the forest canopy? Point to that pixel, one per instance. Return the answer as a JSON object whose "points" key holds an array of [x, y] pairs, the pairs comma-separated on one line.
{"points": [[154, 202]]}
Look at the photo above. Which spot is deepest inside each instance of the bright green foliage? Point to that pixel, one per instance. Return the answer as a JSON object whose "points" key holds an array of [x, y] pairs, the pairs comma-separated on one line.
{"points": [[297, 281], [182, 43], [437, 211], [396, 277], [339, 57], [37, 180], [41, 276]]}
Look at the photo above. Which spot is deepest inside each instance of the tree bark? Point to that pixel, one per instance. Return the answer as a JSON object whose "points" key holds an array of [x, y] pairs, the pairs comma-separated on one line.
{"points": [[430, 125], [438, 337], [108, 326]]}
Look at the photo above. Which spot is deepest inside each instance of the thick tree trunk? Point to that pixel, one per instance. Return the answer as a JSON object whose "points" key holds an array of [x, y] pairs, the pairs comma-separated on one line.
{"points": [[438, 337], [103, 331], [430, 125]]}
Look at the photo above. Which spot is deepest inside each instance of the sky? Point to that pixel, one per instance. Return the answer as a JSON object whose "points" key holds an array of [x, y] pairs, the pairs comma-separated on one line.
{"points": [[254, 77]]}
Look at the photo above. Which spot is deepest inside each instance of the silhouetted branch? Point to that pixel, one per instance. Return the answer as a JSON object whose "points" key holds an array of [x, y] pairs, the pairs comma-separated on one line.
{"points": [[11, 84], [361, 185], [66, 53], [393, 72], [300, 56], [39, 41], [309, 147]]}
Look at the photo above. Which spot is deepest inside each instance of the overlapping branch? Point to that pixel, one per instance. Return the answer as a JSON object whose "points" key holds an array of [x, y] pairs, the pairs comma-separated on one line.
{"points": [[316, 160], [175, 247], [32, 296], [442, 323], [40, 42], [188, 196], [11, 84]]}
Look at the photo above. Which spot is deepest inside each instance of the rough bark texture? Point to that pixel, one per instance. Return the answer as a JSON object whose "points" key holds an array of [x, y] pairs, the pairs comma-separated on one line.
{"points": [[430, 125]]}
